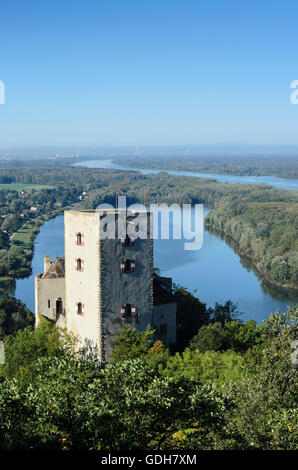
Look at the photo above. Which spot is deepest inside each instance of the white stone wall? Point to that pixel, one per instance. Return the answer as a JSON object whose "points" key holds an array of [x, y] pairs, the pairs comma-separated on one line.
{"points": [[83, 286], [48, 290]]}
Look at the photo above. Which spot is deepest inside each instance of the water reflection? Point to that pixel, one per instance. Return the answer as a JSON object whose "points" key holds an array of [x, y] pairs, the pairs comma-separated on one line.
{"points": [[275, 292]]}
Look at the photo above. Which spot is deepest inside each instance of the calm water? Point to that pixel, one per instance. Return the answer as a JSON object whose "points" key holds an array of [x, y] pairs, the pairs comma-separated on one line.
{"points": [[214, 273]]}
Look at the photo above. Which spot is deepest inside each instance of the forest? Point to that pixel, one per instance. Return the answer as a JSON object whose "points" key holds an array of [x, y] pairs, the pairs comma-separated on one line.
{"points": [[282, 166]]}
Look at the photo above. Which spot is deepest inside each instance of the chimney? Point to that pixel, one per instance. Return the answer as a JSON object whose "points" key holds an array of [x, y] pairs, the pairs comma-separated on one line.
{"points": [[47, 262]]}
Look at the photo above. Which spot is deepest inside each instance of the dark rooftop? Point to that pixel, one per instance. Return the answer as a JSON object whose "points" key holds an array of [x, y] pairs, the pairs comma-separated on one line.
{"points": [[162, 290], [56, 269]]}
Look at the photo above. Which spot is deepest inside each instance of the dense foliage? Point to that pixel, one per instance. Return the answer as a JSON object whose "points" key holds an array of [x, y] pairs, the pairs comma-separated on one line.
{"points": [[14, 316], [212, 399], [28, 345]]}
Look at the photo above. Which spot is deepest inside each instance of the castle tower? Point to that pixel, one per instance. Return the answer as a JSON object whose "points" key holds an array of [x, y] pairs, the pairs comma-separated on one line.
{"points": [[108, 282]]}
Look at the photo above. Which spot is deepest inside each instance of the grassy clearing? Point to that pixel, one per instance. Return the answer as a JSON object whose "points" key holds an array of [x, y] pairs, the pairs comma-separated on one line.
{"points": [[22, 238]]}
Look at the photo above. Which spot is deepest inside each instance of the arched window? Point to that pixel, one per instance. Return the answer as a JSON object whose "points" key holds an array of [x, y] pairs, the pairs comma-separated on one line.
{"points": [[79, 264], [127, 265], [79, 238], [128, 310], [80, 308]]}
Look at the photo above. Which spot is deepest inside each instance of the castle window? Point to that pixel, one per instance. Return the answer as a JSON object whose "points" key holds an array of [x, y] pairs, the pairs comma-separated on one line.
{"points": [[80, 308], [128, 310], [127, 265], [79, 239], [79, 264], [49, 304], [127, 241]]}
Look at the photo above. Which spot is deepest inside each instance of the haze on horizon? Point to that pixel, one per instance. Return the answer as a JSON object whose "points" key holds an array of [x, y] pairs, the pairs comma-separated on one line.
{"points": [[118, 74]]}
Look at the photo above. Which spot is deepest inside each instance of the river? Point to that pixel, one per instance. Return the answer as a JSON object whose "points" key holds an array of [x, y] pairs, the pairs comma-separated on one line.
{"points": [[215, 273], [281, 183]]}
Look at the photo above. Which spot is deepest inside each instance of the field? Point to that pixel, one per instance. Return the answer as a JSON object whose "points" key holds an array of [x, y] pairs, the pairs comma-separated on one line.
{"points": [[22, 186], [23, 239]]}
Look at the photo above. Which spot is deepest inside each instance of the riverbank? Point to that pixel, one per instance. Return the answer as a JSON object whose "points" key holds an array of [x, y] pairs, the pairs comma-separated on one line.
{"points": [[24, 240], [266, 233]]}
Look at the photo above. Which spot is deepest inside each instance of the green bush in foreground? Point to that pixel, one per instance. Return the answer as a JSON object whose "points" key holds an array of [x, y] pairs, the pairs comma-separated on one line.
{"points": [[51, 399]]}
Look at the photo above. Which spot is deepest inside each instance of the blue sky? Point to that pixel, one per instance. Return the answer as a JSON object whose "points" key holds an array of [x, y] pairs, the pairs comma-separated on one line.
{"points": [[100, 73]]}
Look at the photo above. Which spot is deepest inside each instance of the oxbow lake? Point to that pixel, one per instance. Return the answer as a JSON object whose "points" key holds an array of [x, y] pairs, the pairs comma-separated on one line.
{"points": [[215, 273]]}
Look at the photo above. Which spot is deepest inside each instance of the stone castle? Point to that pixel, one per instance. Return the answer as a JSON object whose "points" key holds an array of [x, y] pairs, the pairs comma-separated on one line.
{"points": [[102, 284]]}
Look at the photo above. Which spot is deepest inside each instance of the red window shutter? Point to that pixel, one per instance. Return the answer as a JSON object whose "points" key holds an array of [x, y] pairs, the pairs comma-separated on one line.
{"points": [[132, 265], [133, 310], [82, 237], [83, 309], [122, 311], [122, 266], [82, 265]]}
